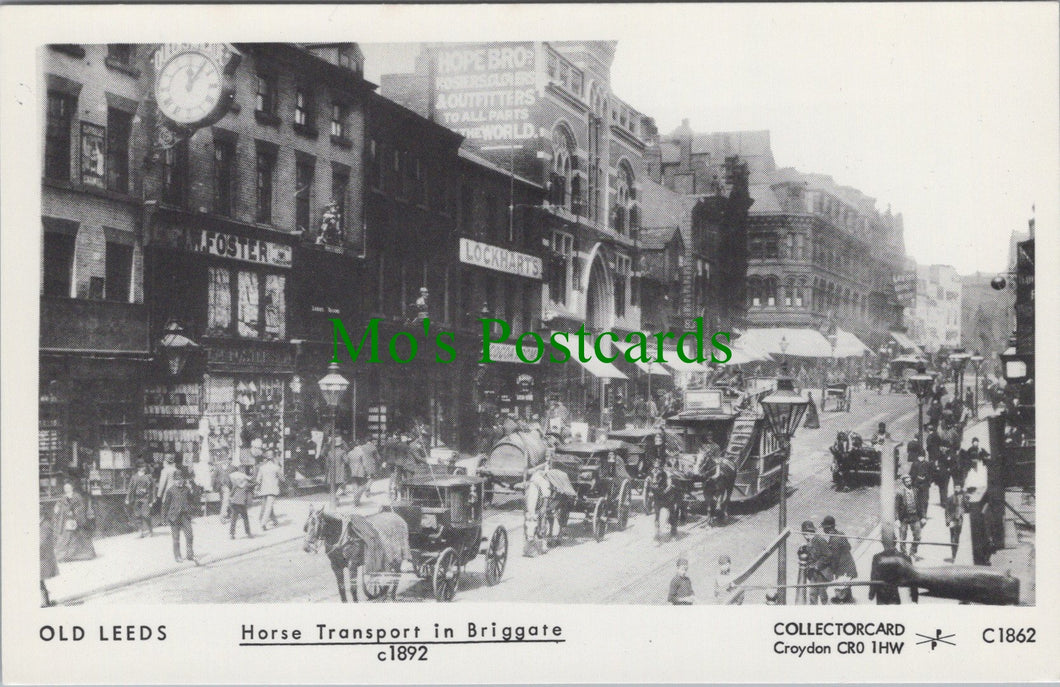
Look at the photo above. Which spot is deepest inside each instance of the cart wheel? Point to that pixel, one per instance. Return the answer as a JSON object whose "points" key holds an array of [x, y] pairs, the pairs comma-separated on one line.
{"points": [[487, 494], [496, 556], [446, 575], [599, 519], [623, 504], [648, 500]]}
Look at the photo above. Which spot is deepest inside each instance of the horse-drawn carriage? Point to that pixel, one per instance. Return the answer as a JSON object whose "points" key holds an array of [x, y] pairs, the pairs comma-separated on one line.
{"points": [[729, 450], [411, 461], [840, 394], [433, 527], [853, 460], [585, 477], [899, 370], [510, 459]]}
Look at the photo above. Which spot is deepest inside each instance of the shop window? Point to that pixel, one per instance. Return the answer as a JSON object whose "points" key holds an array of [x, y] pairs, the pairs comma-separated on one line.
{"points": [[119, 132], [58, 263], [219, 301], [248, 314], [266, 170], [303, 193], [175, 174], [275, 306], [61, 108], [511, 305], [224, 152], [119, 259]]}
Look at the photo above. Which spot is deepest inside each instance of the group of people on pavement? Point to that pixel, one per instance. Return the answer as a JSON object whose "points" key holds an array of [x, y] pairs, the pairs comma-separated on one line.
{"points": [[828, 557], [681, 592]]}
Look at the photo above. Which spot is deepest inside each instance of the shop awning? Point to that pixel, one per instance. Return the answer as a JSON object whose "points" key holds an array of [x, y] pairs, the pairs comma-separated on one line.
{"points": [[803, 343], [597, 368], [905, 342], [646, 368], [849, 346], [674, 362]]}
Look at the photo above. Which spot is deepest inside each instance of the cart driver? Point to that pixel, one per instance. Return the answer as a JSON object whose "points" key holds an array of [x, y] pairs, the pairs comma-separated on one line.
{"points": [[880, 437]]}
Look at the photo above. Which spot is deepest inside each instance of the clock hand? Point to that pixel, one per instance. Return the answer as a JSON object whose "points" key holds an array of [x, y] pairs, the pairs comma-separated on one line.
{"points": [[194, 78]]}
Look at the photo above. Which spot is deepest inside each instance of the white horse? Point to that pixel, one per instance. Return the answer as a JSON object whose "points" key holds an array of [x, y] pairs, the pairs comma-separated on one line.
{"points": [[545, 513]]}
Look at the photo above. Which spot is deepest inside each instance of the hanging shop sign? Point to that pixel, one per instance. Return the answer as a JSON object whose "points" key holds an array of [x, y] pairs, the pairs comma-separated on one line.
{"points": [[240, 357], [224, 245], [500, 259]]}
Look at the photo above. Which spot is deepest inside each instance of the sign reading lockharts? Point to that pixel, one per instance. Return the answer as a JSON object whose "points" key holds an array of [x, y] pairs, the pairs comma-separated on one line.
{"points": [[500, 259], [485, 92]]}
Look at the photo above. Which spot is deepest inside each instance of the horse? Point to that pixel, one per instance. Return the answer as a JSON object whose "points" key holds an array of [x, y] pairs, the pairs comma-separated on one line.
{"points": [[719, 479], [378, 542], [547, 505]]}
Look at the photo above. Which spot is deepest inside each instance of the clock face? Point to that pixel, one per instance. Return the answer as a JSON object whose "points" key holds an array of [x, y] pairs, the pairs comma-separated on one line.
{"points": [[189, 88]]}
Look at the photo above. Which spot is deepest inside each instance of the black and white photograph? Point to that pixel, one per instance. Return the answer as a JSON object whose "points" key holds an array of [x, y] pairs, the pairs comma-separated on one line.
{"points": [[738, 316]]}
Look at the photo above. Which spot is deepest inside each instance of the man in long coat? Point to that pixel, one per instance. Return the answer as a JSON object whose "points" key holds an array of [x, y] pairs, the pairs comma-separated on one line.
{"points": [[141, 498], [361, 467], [843, 564], [818, 565]]}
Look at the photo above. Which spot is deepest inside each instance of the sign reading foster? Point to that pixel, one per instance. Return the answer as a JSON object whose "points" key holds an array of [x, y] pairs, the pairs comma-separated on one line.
{"points": [[239, 248], [500, 259]]}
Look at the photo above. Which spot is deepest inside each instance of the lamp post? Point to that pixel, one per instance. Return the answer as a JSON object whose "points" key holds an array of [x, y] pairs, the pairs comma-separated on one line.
{"points": [[922, 384], [784, 409], [332, 386], [833, 338], [977, 360], [958, 359], [176, 348]]}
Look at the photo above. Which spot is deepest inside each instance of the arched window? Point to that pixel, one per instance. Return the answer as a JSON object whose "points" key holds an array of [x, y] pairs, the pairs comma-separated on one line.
{"points": [[770, 291], [800, 294], [563, 166], [789, 292], [624, 199], [754, 293]]}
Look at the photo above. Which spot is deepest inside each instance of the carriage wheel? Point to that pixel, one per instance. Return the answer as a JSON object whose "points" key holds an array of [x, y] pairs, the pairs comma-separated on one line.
{"points": [[648, 501], [599, 519], [496, 556], [446, 575], [368, 589], [624, 498]]}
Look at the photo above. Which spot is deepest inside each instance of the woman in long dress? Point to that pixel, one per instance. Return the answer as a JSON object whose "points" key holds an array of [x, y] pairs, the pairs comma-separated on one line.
{"points": [[71, 525]]}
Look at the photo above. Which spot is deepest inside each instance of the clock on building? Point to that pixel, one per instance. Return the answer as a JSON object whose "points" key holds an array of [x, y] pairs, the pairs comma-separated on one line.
{"points": [[192, 87]]}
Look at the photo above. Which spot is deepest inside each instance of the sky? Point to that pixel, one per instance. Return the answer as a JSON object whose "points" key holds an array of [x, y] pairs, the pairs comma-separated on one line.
{"points": [[947, 113]]}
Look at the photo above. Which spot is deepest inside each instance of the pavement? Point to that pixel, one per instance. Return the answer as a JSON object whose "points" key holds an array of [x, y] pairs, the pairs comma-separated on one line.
{"points": [[128, 559], [1018, 559]]}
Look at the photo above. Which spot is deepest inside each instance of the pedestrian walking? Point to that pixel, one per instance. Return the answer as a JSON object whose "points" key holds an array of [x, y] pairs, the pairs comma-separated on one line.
{"points": [[178, 509], [921, 472], [843, 564], [941, 471], [72, 520], [141, 499], [240, 500], [907, 508], [360, 466], [812, 420], [268, 483], [681, 593], [723, 580], [49, 567], [818, 563], [222, 484], [662, 498], [956, 507]]}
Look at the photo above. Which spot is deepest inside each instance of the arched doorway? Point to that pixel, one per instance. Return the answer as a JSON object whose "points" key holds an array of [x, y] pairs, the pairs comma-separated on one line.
{"points": [[599, 296]]}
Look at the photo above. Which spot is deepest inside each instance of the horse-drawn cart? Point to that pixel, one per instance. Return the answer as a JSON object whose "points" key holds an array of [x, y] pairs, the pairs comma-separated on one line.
{"points": [[510, 460], [854, 461], [840, 395], [434, 527]]}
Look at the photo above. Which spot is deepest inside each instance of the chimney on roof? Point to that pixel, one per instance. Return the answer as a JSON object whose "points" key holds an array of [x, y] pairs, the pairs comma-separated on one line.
{"points": [[683, 139]]}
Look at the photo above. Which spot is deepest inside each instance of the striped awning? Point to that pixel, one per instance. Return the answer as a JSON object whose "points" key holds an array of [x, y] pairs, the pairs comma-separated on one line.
{"points": [[647, 368]]}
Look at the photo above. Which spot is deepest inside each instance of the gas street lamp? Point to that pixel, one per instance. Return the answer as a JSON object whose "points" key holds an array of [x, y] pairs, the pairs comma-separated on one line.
{"points": [[176, 348], [332, 386], [784, 409], [977, 360], [922, 386], [958, 359]]}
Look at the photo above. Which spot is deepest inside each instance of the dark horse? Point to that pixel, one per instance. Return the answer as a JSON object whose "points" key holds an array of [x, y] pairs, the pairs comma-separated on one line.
{"points": [[719, 478], [378, 542]]}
